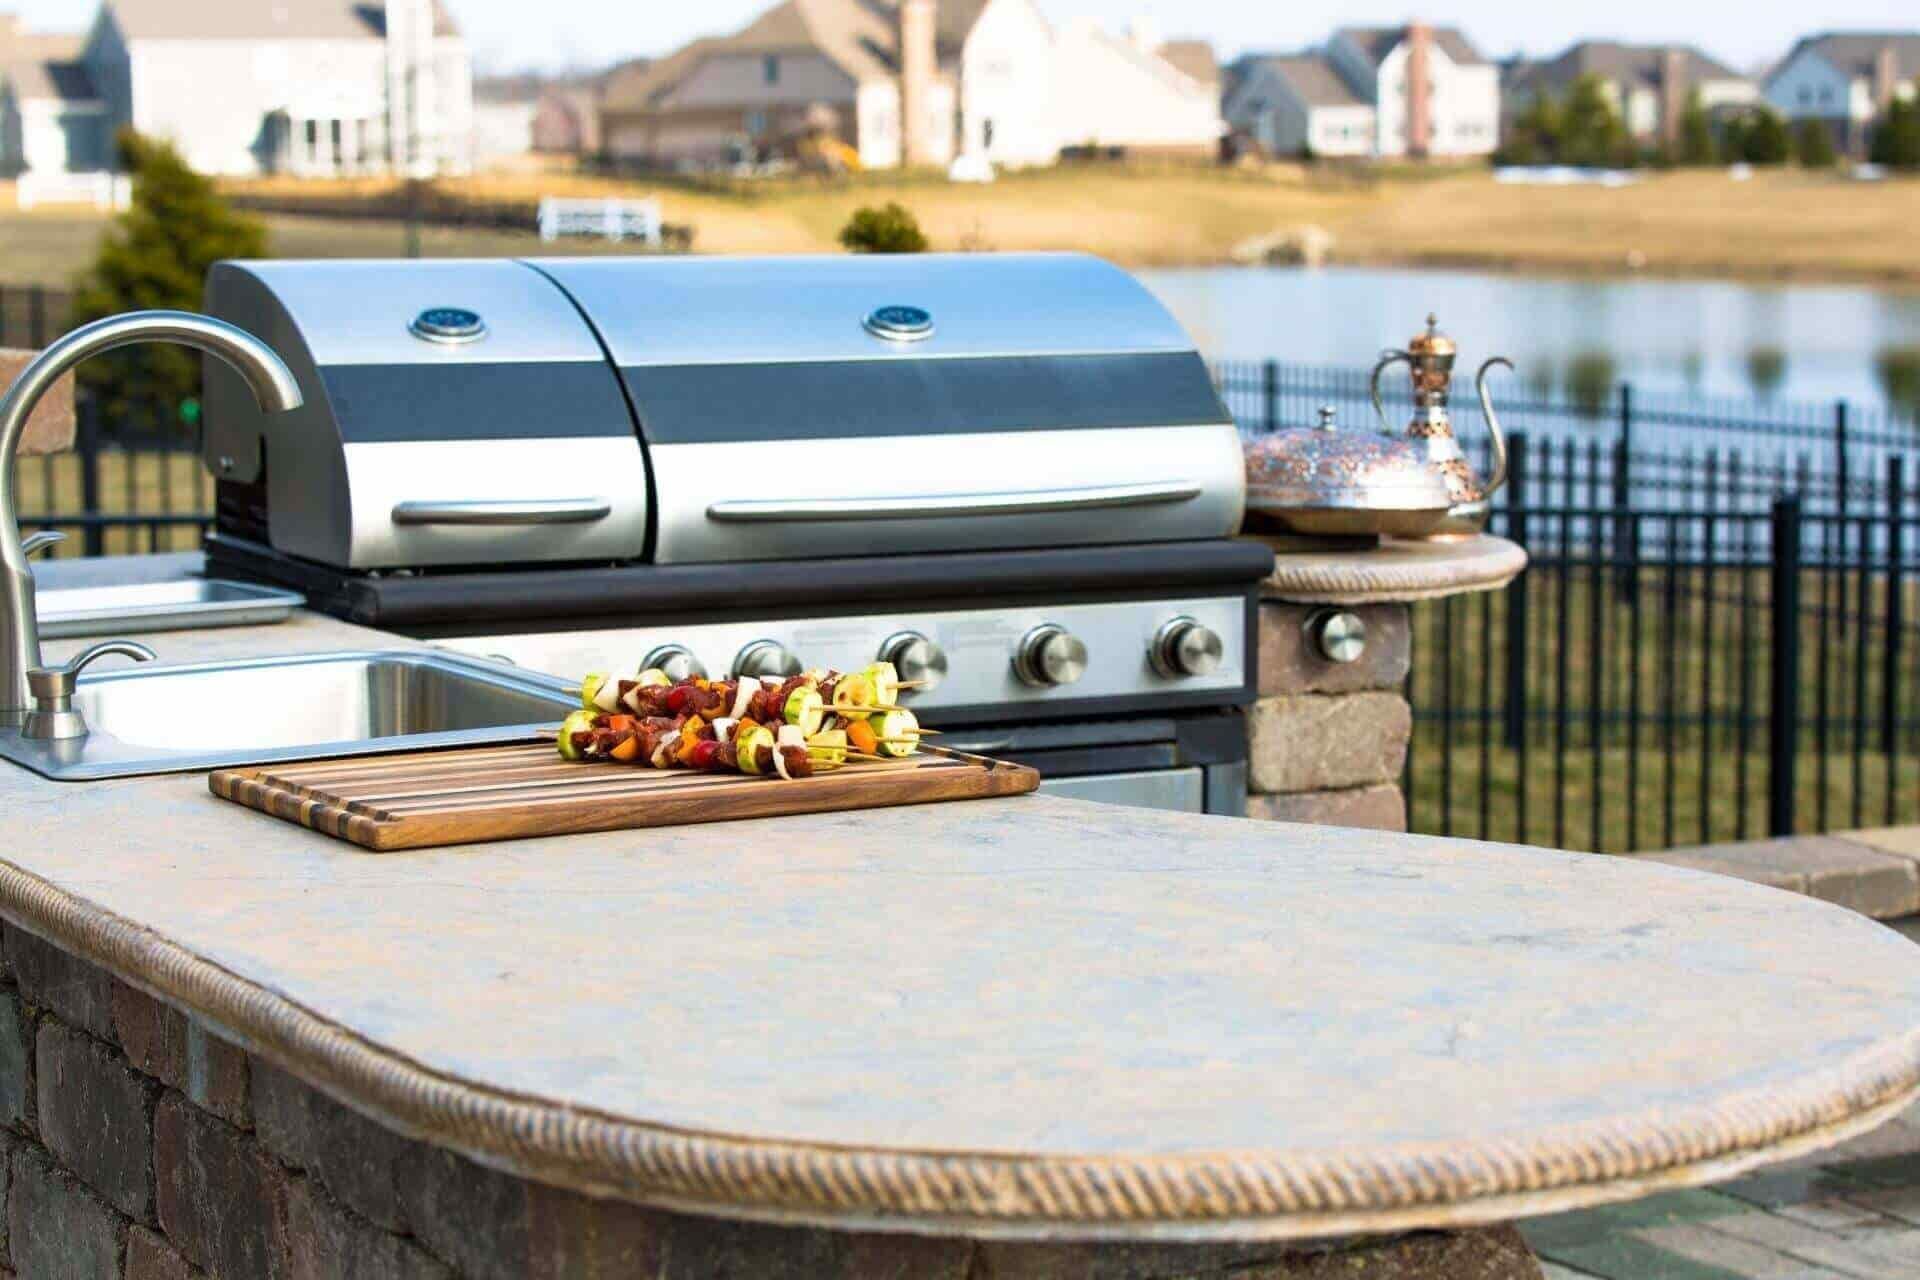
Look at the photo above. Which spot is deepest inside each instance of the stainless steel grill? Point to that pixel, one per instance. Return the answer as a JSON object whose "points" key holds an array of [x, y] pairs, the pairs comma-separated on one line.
{"points": [[1010, 474]]}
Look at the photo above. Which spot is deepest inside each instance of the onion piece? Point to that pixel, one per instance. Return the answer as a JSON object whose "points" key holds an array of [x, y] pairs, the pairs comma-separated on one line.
{"points": [[780, 764], [743, 700], [789, 735], [723, 728], [663, 753]]}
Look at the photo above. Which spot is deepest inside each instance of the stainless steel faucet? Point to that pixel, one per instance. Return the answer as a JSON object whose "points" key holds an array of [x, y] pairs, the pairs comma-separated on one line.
{"points": [[266, 375]]}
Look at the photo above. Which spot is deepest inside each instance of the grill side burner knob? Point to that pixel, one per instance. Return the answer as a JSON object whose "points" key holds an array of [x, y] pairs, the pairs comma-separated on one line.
{"points": [[915, 658], [1338, 635], [676, 660], [766, 658], [1050, 655], [1183, 647]]}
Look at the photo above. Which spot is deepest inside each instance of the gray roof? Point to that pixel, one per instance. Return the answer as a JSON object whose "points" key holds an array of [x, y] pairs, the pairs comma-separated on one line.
{"points": [[1377, 42], [1313, 80], [42, 81], [1193, 58], [1855, 53], [260, 19], [1612, 60]]}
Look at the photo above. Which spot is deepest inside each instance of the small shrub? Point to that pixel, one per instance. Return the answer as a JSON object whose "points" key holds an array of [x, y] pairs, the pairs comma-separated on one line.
{"points": [[887, 229], [1899, 370], [1590, 379], [1814, 145], [1896, 141], [1766, 370]]}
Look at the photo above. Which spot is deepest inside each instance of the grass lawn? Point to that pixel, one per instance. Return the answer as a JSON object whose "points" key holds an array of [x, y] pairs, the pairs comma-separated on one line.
{"points": [[1786, 224]]}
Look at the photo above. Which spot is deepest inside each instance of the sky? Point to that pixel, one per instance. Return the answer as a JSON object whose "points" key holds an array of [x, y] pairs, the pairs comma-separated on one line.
{"points": [[1748, 34]]}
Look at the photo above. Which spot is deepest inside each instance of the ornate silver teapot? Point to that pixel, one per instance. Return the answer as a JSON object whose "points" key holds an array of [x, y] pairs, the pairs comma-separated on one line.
{"points": [[1429, 358]]}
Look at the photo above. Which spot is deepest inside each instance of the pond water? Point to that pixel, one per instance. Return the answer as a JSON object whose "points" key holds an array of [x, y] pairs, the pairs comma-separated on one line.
{"points": [[1762, 341]]}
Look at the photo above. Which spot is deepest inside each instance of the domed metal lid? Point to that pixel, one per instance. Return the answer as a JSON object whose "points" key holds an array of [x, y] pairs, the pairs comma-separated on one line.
{"points": [[1431, 342], [1325, 468]]}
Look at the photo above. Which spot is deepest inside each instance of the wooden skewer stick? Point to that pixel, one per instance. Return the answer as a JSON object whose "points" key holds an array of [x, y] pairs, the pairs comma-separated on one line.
{"points": [[572, 690], [911, 684]]}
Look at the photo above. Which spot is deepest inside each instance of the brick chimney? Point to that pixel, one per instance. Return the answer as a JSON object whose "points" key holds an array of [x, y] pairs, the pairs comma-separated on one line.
{"points": [[1886, 78], [917, 69], [1673, 93], [1419, 89]]}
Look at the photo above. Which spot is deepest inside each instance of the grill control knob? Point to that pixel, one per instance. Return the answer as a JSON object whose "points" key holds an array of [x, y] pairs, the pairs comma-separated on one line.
{"points": [[676, 660], [915, 657], [766, 658], [1338, 635], [1050, 655], [1183, 647]]}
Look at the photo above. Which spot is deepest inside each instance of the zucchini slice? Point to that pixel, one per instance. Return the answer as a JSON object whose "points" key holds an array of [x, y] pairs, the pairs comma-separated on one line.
{"points": [[805, 709]]}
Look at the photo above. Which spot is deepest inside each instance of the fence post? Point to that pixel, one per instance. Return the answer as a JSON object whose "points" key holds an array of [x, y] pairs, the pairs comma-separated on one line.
{"points": [[1516, 701], [1839, 460], [86, 445], [1270, 395], [1896, 606], [1783, 709]]}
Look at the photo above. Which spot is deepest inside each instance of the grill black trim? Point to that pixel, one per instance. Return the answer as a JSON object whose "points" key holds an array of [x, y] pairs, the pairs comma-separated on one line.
{"points": [[869, 399], [383, 404]]}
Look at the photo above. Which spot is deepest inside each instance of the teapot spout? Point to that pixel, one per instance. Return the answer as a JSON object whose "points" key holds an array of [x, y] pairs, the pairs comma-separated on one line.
{"points": [[1499, 437]]}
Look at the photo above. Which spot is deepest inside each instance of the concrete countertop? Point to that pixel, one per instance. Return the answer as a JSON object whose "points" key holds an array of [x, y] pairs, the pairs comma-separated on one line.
{"points": [[1019, 1017]]}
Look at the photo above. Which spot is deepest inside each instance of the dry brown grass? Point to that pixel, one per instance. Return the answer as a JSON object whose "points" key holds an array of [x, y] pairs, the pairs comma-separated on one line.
{"points": [[1785, 224]]}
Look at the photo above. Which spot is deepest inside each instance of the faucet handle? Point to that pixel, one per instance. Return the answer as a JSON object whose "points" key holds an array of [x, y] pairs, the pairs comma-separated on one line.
{"points": [[53, 716], [41, 541]]}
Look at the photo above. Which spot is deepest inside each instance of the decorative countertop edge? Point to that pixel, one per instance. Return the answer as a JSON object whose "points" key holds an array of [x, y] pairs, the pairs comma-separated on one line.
{"points": [[1239, 1195], [1397, 571]]}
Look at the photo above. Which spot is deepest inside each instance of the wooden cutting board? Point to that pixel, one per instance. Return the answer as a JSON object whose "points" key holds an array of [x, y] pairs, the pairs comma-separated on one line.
{"points": [[428, 798]]}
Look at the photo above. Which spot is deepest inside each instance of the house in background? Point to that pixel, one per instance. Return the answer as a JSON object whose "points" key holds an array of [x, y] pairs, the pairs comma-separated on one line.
{"points": [[1297, 104], [1649, 85], [1846, 80], [1135, 93], [1416, 91], [319, 87], [913, 82], [52, 118], [1433, 95]]}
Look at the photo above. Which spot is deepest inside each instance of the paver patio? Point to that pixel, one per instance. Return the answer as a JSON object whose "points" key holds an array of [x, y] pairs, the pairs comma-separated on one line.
{"points": [[1852, 1213]]}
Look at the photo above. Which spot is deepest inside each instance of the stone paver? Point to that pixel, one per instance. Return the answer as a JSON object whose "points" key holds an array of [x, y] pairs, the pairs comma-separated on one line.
{"points": [[1700, 1242], [1890, 1257], [1902, 1204], [1845, 871]]}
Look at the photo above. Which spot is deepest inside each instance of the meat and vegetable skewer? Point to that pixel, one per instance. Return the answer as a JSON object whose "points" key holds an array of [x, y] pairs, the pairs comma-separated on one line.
{"points": [[790, 728]]}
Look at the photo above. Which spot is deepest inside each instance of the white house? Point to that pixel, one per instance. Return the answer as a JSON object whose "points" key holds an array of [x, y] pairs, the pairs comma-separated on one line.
{"points": [[1296, 104], [1135, 93], [1432, 93], [1649, 85], [1845, 79], [51, 117], [251, 86], [911, 82]]}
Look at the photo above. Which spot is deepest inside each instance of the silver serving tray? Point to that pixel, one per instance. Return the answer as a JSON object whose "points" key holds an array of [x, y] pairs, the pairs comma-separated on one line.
{"points": [[175, 605]]}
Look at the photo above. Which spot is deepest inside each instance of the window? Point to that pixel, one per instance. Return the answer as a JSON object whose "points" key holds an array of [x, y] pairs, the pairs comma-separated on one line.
{"points": [[1806, 95], [756, 123], [986, 135], [770, 68], [1826, 94]]}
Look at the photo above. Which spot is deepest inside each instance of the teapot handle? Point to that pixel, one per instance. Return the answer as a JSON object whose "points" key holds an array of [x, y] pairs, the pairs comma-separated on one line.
{"points": [[1387, 360], [1499, 476]]}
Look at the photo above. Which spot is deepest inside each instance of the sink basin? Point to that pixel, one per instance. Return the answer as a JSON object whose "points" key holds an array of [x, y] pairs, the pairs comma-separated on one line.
{"points": [[156, 719]]}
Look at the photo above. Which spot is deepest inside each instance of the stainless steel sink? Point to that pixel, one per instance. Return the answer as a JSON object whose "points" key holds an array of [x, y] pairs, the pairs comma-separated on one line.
{"points": [[155, 719]]}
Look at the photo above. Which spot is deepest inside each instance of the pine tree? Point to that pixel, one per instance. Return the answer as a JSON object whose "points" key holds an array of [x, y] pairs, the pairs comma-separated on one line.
{"points": [[1591, 132], [1535, 136], [1767, 140], [1696, 133], [157, 255], [1896, 141], [1814, 145]]}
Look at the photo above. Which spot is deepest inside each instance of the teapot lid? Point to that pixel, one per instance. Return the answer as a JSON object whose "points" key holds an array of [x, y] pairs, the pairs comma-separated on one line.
{"points": [[1323, 467], [1432, 342]]}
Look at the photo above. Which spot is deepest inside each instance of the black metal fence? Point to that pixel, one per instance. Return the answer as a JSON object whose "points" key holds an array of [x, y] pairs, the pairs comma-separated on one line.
{"points": [[1715, 638], [1718, 637]]}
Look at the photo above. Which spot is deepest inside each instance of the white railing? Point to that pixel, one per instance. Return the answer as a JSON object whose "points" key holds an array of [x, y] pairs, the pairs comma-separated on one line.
{"points": [[611, 218], [101, 190]]}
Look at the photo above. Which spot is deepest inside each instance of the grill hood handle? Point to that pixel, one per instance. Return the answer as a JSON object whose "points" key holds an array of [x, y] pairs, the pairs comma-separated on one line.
{"points": [[950, 505], [515, 511]]}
